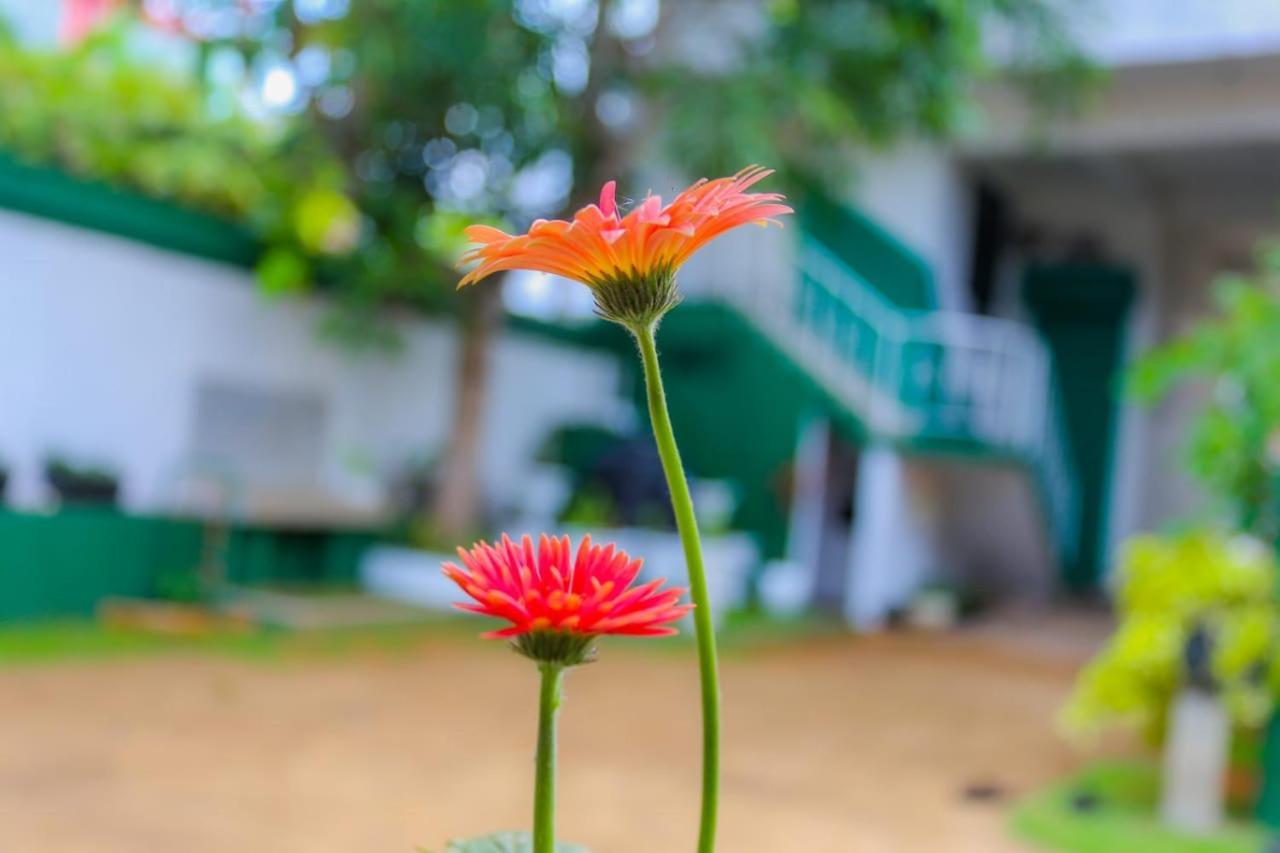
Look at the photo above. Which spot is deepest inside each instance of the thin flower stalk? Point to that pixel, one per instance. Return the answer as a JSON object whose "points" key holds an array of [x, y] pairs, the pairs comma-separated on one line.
{"points": [[629, 262], [557, 606]]}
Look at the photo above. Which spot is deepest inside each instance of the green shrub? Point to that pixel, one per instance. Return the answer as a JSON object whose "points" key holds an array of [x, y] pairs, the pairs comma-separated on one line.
{"points": [[1233, 442], [100, 111], [1172, 587]]}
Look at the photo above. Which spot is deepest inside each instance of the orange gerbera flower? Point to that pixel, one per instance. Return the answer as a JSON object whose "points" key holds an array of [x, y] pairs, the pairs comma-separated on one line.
{"points": [[629, 261], [558, 604]]}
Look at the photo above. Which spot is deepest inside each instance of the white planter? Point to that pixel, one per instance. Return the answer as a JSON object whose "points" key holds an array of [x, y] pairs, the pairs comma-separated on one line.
{"points": [[786, 588], [408, 575], [1195, 759]]}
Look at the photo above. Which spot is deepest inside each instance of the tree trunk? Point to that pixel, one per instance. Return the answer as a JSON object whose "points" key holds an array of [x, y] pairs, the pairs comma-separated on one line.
{"points": [[456, 508]]}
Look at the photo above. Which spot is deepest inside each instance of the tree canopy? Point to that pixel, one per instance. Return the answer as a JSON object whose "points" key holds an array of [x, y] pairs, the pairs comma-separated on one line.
{"points": [[406, 118]]}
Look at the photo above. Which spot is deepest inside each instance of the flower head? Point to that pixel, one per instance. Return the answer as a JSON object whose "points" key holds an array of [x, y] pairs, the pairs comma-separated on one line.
{"points": [[630, 261], [557, 603]]}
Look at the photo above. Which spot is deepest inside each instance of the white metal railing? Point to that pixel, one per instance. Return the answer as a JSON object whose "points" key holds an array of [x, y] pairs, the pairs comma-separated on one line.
{"points": [[918, 375]]}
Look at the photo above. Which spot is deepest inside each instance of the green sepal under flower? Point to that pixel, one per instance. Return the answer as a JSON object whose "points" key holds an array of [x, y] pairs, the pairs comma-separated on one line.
{"points": [[636, 301], [557, 648]]}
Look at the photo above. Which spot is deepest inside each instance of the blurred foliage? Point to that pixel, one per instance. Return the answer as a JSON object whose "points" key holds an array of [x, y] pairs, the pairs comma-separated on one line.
{"points": [[57, 466], [1172, 589], [825, 76], [99, 111], [441, 118], [412, 117], [356, 139], [591, 507], [180, 587], [94, 112], [1234, 446]]}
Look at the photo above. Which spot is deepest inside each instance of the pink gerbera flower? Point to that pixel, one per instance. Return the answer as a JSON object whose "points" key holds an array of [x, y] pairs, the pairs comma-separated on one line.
{"points": [[630, 261], [558, 603]]}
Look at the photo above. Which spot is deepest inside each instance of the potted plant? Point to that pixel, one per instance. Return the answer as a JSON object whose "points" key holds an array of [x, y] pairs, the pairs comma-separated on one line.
{"points": [[81, 485], [1192, 664]]}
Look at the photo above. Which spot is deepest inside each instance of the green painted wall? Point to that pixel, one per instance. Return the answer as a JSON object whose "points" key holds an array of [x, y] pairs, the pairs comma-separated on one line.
{"points": [[91, 204], [1081, 310], [63, 564]]}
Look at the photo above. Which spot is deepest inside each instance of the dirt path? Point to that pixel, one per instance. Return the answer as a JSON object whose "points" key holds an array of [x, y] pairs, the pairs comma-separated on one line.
{"points": [[835, 745]]}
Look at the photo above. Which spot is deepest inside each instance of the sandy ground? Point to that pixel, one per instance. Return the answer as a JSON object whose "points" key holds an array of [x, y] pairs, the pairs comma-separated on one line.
{"points": [[832, 745]]}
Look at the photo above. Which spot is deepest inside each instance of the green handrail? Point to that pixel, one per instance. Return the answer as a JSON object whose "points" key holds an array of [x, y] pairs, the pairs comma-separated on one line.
{"points": [[963, 380]]}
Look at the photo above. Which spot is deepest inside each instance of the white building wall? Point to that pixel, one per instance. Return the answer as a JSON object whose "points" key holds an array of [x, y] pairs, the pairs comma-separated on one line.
{"points": [[1185, 105], [917, 193], [990, 534], [103, 342], [970, 523]]}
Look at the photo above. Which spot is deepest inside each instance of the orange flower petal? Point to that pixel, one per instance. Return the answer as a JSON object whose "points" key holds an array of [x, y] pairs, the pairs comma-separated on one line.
{"points": [[597, 246]]}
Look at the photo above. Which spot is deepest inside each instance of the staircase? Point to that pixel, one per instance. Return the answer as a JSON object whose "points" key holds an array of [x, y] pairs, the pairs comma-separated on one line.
{"points": [[919, 379]]}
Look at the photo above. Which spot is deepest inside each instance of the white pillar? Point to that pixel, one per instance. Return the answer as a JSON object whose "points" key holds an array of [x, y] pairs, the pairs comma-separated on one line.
{"points": [[889, 557], [809, 493]]}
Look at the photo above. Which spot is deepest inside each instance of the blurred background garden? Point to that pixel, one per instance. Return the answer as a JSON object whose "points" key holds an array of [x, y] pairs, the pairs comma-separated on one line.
{"points": [[985, 442]]}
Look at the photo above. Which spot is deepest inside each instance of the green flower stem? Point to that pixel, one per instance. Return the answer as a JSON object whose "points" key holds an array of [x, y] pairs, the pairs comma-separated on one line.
{"points": [[687, 525], [544, 784]]}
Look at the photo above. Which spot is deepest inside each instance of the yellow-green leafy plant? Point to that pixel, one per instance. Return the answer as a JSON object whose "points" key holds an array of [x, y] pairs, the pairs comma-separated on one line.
{"points": [[1179, 596]]}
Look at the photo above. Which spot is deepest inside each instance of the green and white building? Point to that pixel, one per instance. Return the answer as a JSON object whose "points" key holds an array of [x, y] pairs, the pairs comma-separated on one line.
{"points": [[915, 381]]}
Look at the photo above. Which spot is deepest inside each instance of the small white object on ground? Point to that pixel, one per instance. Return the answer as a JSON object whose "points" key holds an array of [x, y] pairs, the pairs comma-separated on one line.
{"points": [[408, 575], [786, 588], [933, 610]]}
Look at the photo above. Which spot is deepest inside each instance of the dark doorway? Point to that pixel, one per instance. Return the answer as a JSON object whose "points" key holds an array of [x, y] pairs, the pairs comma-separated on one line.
{"points": [[990, 234]]}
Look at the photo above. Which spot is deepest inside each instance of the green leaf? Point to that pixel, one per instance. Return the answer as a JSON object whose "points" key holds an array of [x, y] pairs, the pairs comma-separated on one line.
{"points": [[505, 842], [327, 222], [282, 271]]}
